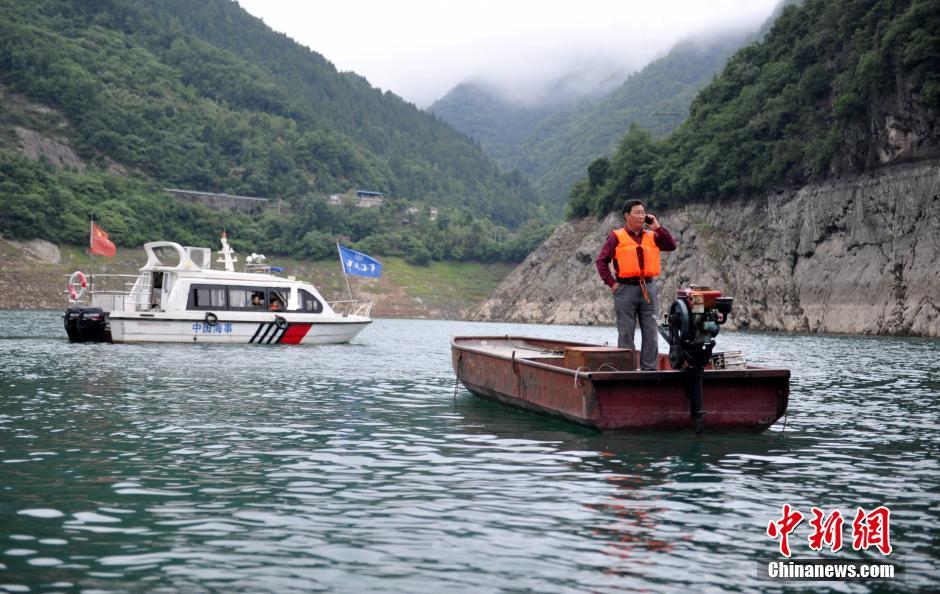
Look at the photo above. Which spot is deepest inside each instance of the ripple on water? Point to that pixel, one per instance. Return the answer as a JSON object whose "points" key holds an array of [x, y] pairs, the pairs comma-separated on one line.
{"points": [[41, 513]]}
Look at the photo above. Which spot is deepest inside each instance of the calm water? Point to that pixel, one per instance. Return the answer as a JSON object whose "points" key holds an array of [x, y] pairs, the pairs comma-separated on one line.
{"points": [[354, 468]]}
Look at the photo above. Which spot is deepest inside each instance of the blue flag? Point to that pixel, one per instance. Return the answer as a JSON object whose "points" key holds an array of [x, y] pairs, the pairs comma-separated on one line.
{"points": [[358, 263]]}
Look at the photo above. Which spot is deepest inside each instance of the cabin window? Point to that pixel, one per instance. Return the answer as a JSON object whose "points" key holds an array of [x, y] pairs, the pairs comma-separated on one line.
{"points": [[277, 298], [246, 298], [309, 303], [206, 297]]}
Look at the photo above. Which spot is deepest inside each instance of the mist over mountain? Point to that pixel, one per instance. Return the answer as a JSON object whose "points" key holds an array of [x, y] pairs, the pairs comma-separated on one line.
{"points": [[579, 78], [552, 133], [497, 123], [501, 111], [557, 152]]}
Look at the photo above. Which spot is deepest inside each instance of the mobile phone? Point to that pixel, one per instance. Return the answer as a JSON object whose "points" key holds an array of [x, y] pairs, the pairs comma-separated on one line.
{"points": [[649, 220]]}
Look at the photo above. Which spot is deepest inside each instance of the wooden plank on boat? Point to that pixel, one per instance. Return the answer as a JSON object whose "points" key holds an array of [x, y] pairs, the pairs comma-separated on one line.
{"points": [[600, 358]]}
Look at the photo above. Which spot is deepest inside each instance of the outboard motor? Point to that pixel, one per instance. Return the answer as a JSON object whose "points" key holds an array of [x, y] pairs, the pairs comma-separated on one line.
{"points": [[86, 324], [690, 328]]}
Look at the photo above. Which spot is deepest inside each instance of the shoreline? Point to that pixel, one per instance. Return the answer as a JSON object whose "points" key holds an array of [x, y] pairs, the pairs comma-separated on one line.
{"points": [[746, 331], [33, 276]]}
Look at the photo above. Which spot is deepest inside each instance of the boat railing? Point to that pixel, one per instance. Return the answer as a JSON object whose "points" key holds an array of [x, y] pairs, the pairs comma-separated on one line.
{"points": [[118, 292], [352, 308]]}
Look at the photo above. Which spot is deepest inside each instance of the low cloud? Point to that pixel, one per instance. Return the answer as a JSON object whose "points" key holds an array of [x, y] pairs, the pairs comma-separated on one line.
{"points": [[420, 49]]}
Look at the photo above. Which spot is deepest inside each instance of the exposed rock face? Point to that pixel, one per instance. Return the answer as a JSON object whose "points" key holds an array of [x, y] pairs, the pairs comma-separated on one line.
{"points": [[857, 255], [39, 249], [59, 154], [902, 129]]}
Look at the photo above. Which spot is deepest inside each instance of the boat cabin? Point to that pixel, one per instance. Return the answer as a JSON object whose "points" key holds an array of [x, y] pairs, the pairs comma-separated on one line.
{"points": [[180, 278]]}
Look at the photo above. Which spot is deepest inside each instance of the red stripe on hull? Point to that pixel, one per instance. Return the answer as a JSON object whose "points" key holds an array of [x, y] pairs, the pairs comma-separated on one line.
{"points": [[295, 333]]}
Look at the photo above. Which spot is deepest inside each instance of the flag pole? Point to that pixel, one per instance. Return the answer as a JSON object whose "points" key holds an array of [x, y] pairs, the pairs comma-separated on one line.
{"points": [[343, 266], [91, 231]]}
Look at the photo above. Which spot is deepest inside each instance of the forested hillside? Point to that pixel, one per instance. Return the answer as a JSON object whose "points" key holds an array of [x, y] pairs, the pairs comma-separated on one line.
{"points": [[501, 116], [835, 87], [552, 144], [204, 96], [556, 154], [500, 125]]}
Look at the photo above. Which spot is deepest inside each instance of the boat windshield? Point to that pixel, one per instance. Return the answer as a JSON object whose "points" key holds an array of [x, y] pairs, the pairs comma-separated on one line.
{"points": [[167, 256]]}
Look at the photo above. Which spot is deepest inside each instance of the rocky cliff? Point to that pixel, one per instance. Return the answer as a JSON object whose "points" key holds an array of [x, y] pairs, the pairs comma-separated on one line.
{"points": [[854, 255]]}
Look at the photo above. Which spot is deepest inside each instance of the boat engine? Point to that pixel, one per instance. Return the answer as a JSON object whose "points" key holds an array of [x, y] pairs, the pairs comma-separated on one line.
{"points": [[690, 328], [692, 324], [86, 324]]}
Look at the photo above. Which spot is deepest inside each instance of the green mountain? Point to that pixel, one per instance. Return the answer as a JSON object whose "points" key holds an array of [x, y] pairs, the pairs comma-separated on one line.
{"points": [[204, 96], [500, 125], [556, 154], [835, 87], [552, 143]]}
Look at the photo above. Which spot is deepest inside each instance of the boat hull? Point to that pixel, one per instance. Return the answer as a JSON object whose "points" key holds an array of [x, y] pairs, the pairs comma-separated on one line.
{"points": [[506, 370], [288, 330]]}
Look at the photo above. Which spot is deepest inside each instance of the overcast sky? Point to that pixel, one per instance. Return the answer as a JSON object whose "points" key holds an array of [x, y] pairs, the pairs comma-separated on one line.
{"points": [[420, 49]]}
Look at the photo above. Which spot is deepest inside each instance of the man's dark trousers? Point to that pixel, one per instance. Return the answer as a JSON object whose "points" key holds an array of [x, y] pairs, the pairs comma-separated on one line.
{"points": [[630, 304]]}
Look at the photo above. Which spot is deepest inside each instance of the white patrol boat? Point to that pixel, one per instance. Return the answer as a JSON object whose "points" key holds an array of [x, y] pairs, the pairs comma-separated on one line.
{"points": [[177, 297]]}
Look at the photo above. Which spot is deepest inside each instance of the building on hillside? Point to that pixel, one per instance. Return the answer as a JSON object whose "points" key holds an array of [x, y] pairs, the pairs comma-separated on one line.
{"points": [[368, 199], [413, 210], [223, 201], [359, 199]]}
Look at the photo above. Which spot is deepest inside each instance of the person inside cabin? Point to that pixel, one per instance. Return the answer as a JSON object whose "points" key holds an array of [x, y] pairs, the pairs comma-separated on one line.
{"points": [[275, 303], [634, 251], [257, 300]]}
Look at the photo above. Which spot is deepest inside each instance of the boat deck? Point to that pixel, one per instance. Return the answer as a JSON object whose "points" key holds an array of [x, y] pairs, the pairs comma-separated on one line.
{"points": [[573, 357], [520, 348]]}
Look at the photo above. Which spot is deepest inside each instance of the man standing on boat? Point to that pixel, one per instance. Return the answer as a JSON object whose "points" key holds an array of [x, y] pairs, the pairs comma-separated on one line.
{"points": [[635, 253]]}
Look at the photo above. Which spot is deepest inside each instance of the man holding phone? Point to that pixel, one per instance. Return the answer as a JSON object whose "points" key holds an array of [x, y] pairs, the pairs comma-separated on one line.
{"points": [[635, 253]]}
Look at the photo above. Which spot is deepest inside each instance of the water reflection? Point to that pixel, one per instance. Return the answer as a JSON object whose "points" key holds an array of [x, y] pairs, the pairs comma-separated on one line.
{"points": [[660, 485]]}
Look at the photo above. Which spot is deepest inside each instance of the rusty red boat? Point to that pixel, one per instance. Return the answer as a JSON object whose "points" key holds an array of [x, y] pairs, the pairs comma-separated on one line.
{"points": [[599, 386]]}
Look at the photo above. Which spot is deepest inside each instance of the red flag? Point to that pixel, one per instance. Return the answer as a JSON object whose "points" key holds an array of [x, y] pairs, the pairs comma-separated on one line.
{"points": [[100, 244]]}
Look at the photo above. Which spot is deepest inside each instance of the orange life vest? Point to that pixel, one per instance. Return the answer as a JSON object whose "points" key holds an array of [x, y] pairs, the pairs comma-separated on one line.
{"points": [[628, 264]]}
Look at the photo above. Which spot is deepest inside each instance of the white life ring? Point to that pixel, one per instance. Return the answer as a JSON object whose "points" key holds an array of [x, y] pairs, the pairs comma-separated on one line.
{"points": [[77, 285]]}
